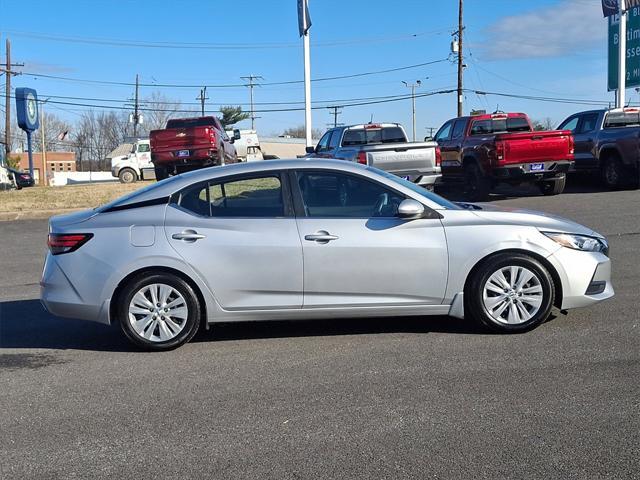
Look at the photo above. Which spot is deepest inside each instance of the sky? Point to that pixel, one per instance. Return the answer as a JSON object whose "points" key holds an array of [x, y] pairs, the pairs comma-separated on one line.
{"points": [[548, 48]]}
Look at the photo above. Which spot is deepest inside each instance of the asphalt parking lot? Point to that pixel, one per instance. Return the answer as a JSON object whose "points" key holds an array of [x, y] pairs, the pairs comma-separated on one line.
{"points": [[383, 398]]}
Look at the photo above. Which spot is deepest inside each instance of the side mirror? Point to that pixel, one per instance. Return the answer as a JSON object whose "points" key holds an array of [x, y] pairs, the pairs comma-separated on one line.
{"points": [[310, 149], [236, 134], [428, 139], [410, 209]]}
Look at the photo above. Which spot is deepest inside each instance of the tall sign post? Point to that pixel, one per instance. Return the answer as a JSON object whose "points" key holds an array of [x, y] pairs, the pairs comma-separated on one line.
{"points": [[624, 46], [304, 24], [28, 118]]}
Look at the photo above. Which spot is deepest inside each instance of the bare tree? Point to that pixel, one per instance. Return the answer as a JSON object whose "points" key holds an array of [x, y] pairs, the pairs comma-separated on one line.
{"points": [[56, 134], [95, 135], [300, 132], [544, 124]]}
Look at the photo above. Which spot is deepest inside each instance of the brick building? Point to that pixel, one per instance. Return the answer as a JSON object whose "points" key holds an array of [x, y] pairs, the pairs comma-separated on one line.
{"points": [[56, 162]]}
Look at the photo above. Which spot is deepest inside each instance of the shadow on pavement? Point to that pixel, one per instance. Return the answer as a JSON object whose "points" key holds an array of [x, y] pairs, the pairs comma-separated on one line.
{"points": [[25, 324]]}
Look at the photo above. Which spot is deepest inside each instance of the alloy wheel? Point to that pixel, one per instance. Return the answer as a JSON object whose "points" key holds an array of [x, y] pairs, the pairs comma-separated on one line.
{"points": [[512, 295], [158, 312]]}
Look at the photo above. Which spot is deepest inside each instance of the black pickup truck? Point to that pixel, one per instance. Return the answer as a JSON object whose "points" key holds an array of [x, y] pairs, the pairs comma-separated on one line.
{"points": [[607, 142]]}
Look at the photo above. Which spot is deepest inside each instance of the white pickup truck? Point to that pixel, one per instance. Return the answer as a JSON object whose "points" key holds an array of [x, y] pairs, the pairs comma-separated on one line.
{"points": [[131, 162], [384, 146]]}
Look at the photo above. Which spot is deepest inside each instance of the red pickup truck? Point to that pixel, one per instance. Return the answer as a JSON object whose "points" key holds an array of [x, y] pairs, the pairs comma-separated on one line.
{"points": [[190, 143], [484, 150]]}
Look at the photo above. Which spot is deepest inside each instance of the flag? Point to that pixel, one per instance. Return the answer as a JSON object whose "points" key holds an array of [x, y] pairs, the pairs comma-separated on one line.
{"points": [[612, 7], [304, 19]]}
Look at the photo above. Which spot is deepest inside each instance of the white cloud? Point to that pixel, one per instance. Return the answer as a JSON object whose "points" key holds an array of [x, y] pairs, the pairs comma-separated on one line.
{"points": [[569, 27]]}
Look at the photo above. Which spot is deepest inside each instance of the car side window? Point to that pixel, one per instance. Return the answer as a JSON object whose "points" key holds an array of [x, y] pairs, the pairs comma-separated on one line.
{"points": [[588, 123], [323, 144], [445, 132], [334, 142], [338, 195], [458, 129], [570, 124], [239, 197]]}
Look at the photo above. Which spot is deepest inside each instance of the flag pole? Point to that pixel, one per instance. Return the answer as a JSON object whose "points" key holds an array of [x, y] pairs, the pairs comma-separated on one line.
{"points": [[307, 73]]}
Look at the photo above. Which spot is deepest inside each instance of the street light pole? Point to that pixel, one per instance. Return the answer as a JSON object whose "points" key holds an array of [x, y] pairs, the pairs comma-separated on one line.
{"points": [[622, 57], [413, 87]]}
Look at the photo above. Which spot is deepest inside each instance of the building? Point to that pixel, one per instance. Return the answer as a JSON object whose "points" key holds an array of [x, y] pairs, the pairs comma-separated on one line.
{"points": [[56, 162], [283, 147]]}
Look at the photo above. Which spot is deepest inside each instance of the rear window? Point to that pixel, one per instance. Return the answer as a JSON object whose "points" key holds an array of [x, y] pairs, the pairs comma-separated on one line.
{"points": [[365, 136], [500, 125], [191, 122], [622, 119]]}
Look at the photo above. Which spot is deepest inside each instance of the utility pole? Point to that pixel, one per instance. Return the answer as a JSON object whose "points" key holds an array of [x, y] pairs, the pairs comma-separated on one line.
{"points": [[413, 87], [335, 114], [251, 84], [203, 97], [7, 69], [135, 110], [460, 57]]}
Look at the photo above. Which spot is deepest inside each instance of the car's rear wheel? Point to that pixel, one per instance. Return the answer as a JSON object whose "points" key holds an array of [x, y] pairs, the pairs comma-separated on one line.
{"points": [[158, 311], [510, 293], [476, 185], [612, 173], [161, 173], [553, 187]]}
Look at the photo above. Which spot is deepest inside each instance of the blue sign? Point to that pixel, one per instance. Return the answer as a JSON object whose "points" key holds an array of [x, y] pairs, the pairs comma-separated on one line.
{"points": [[27, 109]]}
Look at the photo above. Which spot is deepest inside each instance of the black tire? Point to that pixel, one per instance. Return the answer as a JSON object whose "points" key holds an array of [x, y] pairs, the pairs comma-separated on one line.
{"points": [[613, 173], [161, 173], [191, 323], [475, 308], [554, 186], [127, 175], [476, 185]]}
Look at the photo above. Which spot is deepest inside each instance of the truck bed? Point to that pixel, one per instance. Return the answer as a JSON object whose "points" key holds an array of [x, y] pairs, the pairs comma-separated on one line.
{"points": [[529, 147]]}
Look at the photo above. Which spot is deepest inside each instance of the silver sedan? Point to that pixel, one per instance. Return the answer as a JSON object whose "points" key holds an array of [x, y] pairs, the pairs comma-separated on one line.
{"points": [[312, 239]]}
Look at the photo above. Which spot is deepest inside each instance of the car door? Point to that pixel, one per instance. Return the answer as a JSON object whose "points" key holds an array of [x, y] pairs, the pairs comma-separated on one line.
{"points": [[143, 155], [334, 143], [323, 146], [240, 236], [357, 252], [584, 142]]}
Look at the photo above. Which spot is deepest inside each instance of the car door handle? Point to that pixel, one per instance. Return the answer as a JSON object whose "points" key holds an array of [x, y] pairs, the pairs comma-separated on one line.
{"points": [[321, 236], [188, 236]]}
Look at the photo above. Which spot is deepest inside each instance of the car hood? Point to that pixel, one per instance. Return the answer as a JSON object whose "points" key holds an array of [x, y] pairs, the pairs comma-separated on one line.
{"points": [[519, 216]]}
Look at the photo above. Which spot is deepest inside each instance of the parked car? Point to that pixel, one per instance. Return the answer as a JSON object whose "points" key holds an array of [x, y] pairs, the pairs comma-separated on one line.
{"points": [[21, 179], [607, 142], [290, 239], [190, 143], [485, 150], [384, 146], [247, 145], [134, 165]]}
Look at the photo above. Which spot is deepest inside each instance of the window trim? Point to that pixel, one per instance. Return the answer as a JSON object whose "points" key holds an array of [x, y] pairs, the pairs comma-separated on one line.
{"points": [[288, 208], [298, 201]]}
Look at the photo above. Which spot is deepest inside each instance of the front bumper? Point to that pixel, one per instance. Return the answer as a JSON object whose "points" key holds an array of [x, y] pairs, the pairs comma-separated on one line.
{"points": [[585, 277]]}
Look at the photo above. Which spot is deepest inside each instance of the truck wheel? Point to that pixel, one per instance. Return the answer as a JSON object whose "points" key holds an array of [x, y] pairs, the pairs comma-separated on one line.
{"points": [[477, 186], [161, 173], [612, 173], [127, 175], [553, 187]]}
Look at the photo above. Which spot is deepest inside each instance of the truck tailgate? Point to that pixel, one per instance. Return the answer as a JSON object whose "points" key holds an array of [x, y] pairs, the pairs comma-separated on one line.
{"points": [[529, 147], [177, 138], [403, 159]]}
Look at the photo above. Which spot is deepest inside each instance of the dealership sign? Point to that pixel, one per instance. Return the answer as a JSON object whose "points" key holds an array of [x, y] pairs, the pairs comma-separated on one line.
{"points": [[633, 49]]}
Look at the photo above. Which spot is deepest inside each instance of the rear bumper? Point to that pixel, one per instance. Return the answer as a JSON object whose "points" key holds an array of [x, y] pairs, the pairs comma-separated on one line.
{"points": [[523, 172], [197, 156]]}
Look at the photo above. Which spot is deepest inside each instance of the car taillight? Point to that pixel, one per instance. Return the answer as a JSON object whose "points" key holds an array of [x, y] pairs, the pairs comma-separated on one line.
{"points": [[500, 150], [362, 158], [571, 144], [25, 177], [438, 157], [212, 136], [60, 243]]}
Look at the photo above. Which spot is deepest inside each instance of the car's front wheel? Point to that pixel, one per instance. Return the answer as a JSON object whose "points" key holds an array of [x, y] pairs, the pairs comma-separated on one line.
{"points": [[510, 293], [158, 311]]}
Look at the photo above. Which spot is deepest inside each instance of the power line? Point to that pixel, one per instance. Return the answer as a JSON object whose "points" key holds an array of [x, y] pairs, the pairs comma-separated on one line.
{"points": [[233, 85], [203, 98], [335, 114], [251, 85]]}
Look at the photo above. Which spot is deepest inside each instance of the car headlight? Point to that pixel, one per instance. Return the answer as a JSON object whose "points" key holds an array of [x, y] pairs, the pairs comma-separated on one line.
{"points": [[579, 242]]}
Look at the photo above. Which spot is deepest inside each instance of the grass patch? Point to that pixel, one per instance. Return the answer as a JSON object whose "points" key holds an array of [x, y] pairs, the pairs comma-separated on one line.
{"points": [[70, 196]]}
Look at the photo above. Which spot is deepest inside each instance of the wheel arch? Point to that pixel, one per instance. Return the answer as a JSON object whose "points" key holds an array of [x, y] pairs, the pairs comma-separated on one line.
{"points": [[557, 283], [607, 150], [152, 270]]}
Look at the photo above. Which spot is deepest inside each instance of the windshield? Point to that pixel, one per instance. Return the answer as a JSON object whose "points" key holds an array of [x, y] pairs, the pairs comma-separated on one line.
{"points": [[443, 202]]}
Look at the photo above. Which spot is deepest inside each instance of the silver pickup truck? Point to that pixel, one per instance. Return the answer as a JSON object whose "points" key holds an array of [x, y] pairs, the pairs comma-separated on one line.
{"points": [[384, 146]]}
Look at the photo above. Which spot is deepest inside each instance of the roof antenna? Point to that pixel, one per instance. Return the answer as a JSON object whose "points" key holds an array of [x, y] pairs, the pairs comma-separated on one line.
{"points": [[498, 109], [371, 119]]}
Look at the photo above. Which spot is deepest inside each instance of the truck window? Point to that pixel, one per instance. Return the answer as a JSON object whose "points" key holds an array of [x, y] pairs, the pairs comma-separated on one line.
{"points": [[323, 144], [143, 147], [458, 128], [334, 142], [445, 132], [481, 127], [622, 119], [500, 125], [366, 136], [571, 124], [191, 122], [589, 122]]}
